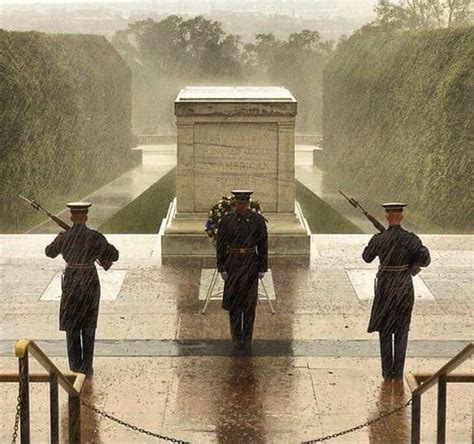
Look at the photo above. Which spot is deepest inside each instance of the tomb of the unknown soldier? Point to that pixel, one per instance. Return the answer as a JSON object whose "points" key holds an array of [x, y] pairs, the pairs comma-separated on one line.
{"points": [[230, 138], [219, 239]]}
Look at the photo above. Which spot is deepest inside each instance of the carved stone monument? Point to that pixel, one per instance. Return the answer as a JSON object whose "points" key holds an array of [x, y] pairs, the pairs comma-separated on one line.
{"points": [[235, 138]]}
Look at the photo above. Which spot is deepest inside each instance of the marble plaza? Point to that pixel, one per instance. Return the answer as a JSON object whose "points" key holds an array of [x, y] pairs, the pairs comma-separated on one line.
{"points": [[163, 366]]}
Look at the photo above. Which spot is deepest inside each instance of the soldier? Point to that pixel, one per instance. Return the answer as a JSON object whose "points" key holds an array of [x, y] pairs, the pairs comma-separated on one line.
{"points": [[242, 252], [399, 252], [79, 308]]}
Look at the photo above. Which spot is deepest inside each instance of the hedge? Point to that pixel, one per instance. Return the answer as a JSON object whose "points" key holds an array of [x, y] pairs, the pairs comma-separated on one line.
{"points": [[65, 124], [397, 120]]}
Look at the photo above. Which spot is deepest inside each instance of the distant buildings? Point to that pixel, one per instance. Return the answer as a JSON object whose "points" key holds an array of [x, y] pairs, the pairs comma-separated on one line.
{"points": [[331, 18]]}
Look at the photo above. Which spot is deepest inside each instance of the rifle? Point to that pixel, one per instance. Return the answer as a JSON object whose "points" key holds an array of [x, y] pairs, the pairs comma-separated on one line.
{"points": [[414, 270], [38, 207], [372, 219], [59, 222]]}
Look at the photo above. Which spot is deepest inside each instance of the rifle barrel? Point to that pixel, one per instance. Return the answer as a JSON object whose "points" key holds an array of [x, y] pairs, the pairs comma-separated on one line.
{"points": [[349, 199]]}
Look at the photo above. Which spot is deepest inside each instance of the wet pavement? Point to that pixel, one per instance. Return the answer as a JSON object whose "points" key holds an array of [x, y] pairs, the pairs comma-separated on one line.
{"points": [[314, 370], [162, 365]]}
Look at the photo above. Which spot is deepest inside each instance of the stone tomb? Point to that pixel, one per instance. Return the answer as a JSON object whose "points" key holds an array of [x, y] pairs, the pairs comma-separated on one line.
{"points": [[234, 138]]}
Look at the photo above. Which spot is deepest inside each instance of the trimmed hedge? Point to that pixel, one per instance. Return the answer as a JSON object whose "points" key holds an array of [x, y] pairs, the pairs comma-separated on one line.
{"points": [[398, 120], [65, 125]]}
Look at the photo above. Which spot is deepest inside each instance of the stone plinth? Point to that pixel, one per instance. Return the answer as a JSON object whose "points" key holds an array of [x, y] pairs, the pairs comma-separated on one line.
{"points": [[235, 138], [184, 236]]}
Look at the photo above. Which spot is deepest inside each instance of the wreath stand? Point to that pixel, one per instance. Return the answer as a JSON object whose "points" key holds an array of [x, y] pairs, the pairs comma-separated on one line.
{"points": [[210, 296]]}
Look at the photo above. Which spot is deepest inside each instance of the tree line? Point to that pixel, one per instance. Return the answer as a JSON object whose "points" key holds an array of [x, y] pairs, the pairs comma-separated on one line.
{"points": [[170, 54], [176, 52], [422, 14]]}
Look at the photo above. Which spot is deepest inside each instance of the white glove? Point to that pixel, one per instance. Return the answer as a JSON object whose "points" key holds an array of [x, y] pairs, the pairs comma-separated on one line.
{"points": [[261, 275], [224, 275]]}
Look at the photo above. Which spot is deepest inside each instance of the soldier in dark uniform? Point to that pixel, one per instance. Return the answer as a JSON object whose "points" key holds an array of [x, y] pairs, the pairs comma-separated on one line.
{"points": [[79, 308], [242, 254], [400, 253]]}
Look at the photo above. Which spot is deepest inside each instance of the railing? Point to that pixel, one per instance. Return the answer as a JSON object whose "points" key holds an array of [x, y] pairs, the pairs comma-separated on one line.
{"points": [[156, 139], [71, 383], [421, 382], [308, 139]]}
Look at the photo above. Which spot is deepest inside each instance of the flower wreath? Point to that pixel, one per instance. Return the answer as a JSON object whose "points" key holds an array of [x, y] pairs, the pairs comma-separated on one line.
{"points": [[220, 209]]}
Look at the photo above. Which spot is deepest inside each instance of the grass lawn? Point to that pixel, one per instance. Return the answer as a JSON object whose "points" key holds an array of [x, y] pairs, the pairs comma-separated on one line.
{"points": [[145, 213], [322, 218]]}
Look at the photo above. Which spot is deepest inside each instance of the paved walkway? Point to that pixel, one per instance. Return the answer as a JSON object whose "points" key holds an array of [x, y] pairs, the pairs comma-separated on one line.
{"points": [[108, 200], [163, 366]]}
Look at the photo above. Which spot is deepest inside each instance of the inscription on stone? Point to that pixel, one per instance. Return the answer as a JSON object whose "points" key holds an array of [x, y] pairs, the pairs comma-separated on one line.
{"points": [[235, 155]]}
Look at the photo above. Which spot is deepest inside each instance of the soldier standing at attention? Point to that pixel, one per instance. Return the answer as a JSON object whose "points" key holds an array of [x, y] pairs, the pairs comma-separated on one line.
{"points": [[79, 307], [242, 255], [400, 252]]}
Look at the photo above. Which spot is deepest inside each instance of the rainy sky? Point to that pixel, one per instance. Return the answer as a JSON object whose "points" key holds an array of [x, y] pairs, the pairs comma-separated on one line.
{"points": [[30, 2]]}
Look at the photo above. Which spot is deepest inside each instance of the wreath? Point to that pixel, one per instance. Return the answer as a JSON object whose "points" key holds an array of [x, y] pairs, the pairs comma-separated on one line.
{"points": [[220, 209]]}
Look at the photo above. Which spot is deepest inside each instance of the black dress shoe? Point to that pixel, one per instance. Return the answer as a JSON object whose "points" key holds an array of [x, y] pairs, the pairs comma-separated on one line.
{"points": [[88, 372]]}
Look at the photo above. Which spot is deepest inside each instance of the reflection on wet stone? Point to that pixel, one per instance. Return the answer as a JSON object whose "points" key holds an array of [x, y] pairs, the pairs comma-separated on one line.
{"points": [[313, 370]]}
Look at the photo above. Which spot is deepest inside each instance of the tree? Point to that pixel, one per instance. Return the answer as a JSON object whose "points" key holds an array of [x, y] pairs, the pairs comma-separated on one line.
{"points": [[459, 12], [167, 55], [422, 14]]}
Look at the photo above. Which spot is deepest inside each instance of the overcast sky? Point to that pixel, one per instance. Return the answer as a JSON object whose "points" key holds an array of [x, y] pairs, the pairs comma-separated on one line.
{"points": [[29, 2]]}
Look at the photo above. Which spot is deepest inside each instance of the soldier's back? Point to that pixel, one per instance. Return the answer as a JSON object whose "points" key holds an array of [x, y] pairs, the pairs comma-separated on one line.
{"points": [[396, 246]]}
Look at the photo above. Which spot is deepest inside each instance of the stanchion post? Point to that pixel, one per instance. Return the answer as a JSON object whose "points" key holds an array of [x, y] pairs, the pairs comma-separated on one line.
{"points": [[441, 431], [24, 399], [54, 408], [415, 419], [74, 419]]}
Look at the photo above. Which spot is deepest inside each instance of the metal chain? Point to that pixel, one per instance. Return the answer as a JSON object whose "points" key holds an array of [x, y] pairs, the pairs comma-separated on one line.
{"points": [[131, 426], [17, 419], [17, 413], [179, 441], [361, 426]]}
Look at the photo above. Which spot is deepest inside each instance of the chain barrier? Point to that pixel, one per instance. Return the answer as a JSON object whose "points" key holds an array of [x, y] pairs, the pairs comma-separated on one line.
{"points": [[18, 409], [179, 441], [361, 426], [131, 426]]}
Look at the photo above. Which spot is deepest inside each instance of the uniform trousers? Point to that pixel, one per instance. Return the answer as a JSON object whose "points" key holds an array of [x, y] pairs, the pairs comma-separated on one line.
{"points": [[393, 348], [80, 349], [241, 326]]}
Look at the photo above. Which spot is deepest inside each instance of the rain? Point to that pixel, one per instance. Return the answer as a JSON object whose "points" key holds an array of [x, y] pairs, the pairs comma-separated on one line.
{"points": [[231, 221]]}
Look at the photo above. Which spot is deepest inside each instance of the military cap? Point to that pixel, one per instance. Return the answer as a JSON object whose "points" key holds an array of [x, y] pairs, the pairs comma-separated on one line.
{"points": [[78, 206], [242, 195], [394, 206]]}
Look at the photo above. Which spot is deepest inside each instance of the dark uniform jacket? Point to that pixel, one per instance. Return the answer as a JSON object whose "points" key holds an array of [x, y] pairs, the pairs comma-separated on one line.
{"points": [[247, 230], [394, 295], [80, 247]]}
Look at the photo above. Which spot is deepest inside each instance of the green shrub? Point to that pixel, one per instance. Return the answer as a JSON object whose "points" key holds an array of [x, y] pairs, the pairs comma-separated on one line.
{"points": [[398, 121], [65, 124]]}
